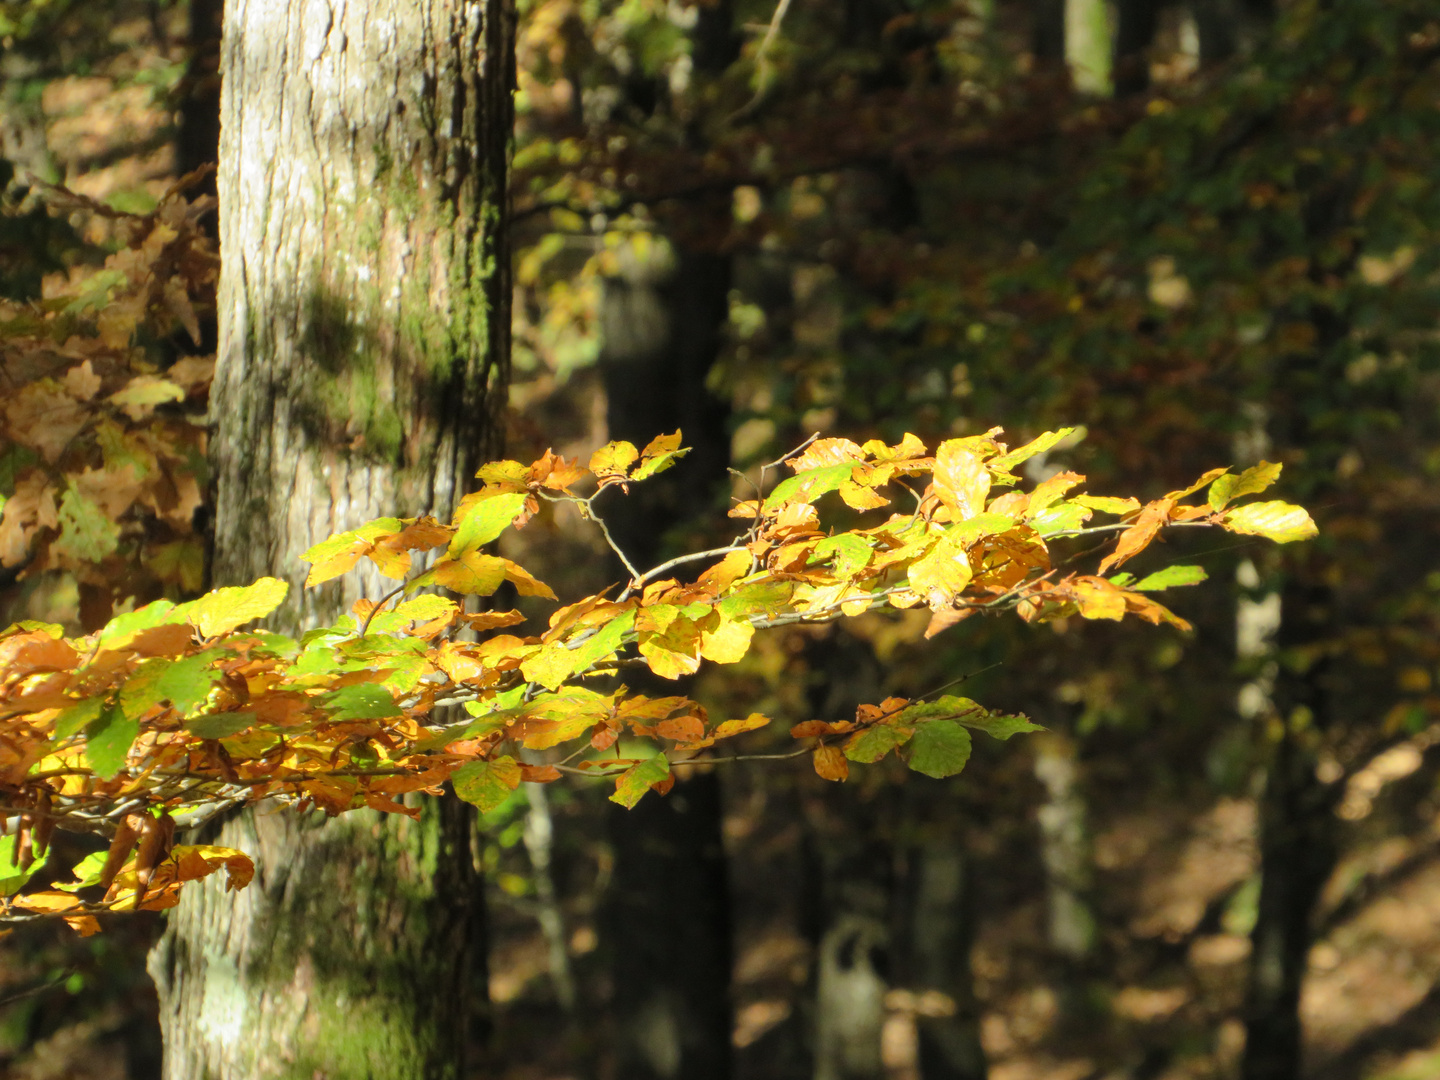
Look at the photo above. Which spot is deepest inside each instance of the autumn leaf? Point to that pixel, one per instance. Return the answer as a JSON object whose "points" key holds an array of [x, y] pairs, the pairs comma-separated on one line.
{"points": [[1136, 538], [634, 782], [1252, 481], [659, 454], [223, 610], [961, 479], [472, 574], [1277, 521], [611, 463], [486, 784], [830, 763], [194, 861], [478, 523]]}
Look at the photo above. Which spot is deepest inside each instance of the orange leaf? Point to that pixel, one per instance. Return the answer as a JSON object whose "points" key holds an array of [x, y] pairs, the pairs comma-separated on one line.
{"points": [[538, 774], [830, 763], [1136, 538]]}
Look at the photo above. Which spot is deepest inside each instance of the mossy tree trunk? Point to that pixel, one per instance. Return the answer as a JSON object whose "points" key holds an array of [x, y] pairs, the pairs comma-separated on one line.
{"points": [[363, 354]]}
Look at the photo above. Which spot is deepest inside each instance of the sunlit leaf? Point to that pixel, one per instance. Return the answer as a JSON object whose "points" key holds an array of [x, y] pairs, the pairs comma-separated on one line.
{"points": [[1281, 522], [1170, 577], [634, 782], [223, 610], [1252, 481], [481, 522], [486, 784], [108, 741]]}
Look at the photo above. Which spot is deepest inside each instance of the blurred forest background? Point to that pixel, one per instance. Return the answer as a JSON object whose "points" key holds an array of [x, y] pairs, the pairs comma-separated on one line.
{"points": [[1206, 231]]}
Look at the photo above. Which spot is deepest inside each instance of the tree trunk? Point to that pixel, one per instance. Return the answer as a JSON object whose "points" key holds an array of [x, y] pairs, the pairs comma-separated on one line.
{"points": [[1087, 45], [1298, 847], [1135, 24], [942, 931], [1065, 849], [364, 321], [669, 891]]}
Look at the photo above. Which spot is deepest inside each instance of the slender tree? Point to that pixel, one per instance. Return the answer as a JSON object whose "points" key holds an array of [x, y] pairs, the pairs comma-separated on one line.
{"points": [[363, 324]]}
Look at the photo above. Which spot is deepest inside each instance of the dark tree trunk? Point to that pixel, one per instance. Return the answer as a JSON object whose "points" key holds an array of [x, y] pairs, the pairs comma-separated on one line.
{"points": [[668, 908], [1047, 33], [672, 1009], [668, 926], [1297, 852], [363, 355], [942, 932], [1135, 25]]}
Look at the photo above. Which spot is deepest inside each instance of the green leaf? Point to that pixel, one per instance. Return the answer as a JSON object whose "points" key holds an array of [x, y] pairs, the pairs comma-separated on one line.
{"points": [[967, 712], [485, 520], [86, 533], [810, 484], [604, 642], [223, 610], [634, 782], [12, 878], [188, 682], [119, 631], [1251, 482], [78, 717], [873, 743], [486, 784], [108, 741], [421, 609], [850, 553], [87, 871], [220, 725], [1281, 522], [1000, 726], [363, 701], [141, 689], [658, 463], [1170, 578], [940, 748], [1062, 517], [13, 459]]}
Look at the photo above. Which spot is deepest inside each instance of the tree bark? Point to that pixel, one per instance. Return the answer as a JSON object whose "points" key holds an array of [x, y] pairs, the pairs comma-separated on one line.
{"points": [[1298, 846], [942, 932], [363, 354], [1087, 45], [1135, 24]]}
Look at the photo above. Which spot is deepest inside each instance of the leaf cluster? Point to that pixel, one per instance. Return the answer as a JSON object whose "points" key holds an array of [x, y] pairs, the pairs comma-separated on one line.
{"points": [[173, 712]]}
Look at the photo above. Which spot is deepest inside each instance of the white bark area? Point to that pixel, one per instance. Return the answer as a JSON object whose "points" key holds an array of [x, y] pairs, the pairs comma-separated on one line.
{"points": [[1088, 46], [363, 349]]}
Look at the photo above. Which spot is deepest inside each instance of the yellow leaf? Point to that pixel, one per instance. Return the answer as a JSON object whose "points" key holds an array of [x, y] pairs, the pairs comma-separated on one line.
{"points": [[728, 642], [1281, 522], [223, 610], [941, 576], [961, 479], [1098, 598]]}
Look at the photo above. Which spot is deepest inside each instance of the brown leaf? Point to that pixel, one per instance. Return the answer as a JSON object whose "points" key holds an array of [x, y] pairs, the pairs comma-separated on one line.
{"points": [[538, 774]]}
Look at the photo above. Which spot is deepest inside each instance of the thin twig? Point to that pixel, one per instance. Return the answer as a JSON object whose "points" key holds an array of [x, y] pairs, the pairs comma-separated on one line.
{"points": [[762, 63]]}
